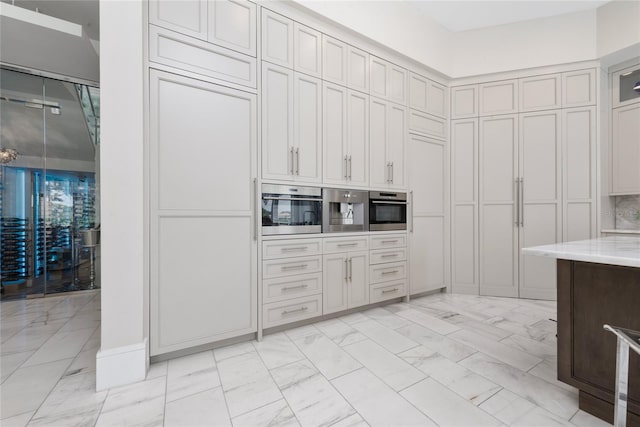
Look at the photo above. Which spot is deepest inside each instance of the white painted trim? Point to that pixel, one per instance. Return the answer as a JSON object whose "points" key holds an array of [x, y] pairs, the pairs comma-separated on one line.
{"points": [[40, 19], [121, 365]]}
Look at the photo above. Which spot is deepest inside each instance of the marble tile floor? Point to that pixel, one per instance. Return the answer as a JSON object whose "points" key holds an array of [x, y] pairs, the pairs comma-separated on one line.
{"points": [[441, 360]]}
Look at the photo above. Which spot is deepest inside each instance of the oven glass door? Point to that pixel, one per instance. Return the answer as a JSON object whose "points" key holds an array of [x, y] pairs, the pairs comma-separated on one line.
{"points": [[286, 214], [387, 215]]}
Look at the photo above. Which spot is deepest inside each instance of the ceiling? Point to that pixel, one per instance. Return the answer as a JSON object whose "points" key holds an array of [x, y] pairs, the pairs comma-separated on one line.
{"points": [[469, 15]]}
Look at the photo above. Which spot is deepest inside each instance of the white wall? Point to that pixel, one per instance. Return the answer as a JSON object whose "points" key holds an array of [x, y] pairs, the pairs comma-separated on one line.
{"points": [[618, 27], [540, 42], [122, 357]]}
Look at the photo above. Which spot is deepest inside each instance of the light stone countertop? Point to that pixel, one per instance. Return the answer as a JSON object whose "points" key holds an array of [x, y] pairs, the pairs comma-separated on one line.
{"points": [[616, 250], [619, 231]]}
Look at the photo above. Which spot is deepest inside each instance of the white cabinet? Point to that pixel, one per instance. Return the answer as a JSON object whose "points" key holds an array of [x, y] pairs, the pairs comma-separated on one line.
{"points": [[357, 69], [622, 84], [185, 212], [232, 24], [498, 97], [427, 125], [291, 125], [428, 96], [540, 93], [428, 216], [464, 102], [625, 150], [387, 144], [187, 17], [334, 60], [307, 50], [346, 281], [579, 88], [346, 136], [277, 39], [388, 81]]}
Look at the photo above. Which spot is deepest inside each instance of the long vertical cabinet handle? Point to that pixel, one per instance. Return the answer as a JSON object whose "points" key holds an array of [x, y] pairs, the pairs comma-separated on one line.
{"points": [[297, 161], [346, 270], [255, 200], [516, 202], [346, 168], [350, 268], [521, 202], [291, 156], [411, 210], [349, 166], [391, 172]]}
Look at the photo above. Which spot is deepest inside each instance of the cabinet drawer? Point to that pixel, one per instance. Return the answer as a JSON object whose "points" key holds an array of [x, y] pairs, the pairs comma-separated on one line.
{"points": [[387, 255], [173, 49], [346, 244], [290, 248], [279, 313], [387, 291], [389, 241], [427, 124], [280, 289], [387, 272], [291, 266]]}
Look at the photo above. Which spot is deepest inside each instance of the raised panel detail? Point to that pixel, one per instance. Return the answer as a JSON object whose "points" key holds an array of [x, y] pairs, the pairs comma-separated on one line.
{"points": [[334, 62], [540, 93], [232, 24], [307, 55], [418, 87], [499, 97], [625, 150], [464, 102], [187, 17], [357, 69], [277, 39], [427, 125], [579, 88]]}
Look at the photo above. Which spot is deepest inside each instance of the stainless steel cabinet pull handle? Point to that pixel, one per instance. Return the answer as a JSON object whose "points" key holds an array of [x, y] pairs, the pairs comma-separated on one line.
{"points": [[346, 168], [389, 272], [291, 155], [349, 167], [297, 310], [350, 268], [296, 249], [392, 172], [288, 288], [294, 267], [257, 215], [347, 244], [390, 290], [411, 201], [389, 256], [516, 202], [389, 241], [521, 202], [388, 171], [297, 161], [346, 270], [293, 199]]}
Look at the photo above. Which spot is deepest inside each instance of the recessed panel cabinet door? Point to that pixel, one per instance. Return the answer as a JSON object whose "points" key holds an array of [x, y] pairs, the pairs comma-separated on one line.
{"points": [[188, 17], [307, 54], [358, 69], [379, 77], [464, 102], [336, 160], [540, 93], [358, 138], [307, 118], [379, 167], [396, 144], [232, 24], [334, 279], [498, 97], [498, 230], [199, 248], [358, 283], [334, 60], [277, 39], [418, 87], [625, 150]]}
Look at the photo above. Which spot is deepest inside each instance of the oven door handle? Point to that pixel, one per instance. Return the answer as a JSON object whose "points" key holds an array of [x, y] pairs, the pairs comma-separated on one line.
{"points": [[292, 199], [383, 202]]}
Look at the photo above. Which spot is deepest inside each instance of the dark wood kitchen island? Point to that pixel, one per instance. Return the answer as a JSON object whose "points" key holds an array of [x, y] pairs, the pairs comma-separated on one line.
{"points": [[598, 283]]}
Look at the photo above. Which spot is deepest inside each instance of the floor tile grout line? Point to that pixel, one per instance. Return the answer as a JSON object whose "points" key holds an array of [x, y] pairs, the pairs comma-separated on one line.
{"points": [[166, 392], [102, 407]]}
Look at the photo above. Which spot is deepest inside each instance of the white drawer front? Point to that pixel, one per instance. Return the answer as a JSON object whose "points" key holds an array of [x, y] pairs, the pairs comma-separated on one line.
{"points": [[280, 313], [346, 244], [291, 266], [280, 289], [186, 53], [380, 256], [387, 291], [290, 248], [389, 241], [387, 272]]}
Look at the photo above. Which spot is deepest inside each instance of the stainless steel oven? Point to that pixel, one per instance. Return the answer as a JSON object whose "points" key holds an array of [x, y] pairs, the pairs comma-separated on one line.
{"points": [[345, 210], [287, 209], [387, 211]]}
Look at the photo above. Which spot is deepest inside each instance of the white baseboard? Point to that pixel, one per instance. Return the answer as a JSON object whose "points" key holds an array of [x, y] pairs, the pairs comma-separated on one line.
{"points": [[121, 366]]}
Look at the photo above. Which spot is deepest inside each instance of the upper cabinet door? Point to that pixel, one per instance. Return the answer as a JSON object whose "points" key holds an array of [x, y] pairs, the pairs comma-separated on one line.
{"points": [[437, 99], [397, 84], [277, 39], [358, 138], [625, 150], [579, 88], [379, 169], [379, 69], [187, 17], [464, 102], [307, 119], [499, 97], [622, 84], [540, 93], [307, 50], [418, 87], [396, 144], [357, 69], [232, 24], [336, 166], [334, 61]]}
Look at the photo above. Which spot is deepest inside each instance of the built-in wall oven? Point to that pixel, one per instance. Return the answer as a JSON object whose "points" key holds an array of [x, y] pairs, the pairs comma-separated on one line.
{"points": [[288, 209], [387, 211], [345, 210]]}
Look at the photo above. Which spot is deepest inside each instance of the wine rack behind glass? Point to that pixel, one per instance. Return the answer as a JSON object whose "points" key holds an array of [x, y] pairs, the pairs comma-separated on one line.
{"points": [[15, 246]]}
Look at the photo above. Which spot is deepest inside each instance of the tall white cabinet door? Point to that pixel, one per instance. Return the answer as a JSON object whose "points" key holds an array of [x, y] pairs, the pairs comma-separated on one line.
{"points": [[232, 24], [307, 50], [357, 69], [540, 93], [541, 200], [579, 173], [379, 69], [397, 84], [358, 138], [334, 283], [428, 222], [464, 102], [396, 144], [464, 205], [498, 97], [379, 170], [625, 150], [358, 283], [334, 60], [307, 119], [277, 123], [336, 158], [498, 168], [187, 17], [185, 212], [277, 39]]}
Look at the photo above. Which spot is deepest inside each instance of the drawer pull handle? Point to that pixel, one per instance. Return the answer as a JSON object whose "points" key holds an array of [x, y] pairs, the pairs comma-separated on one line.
{"points": [[389, 272], [390, 290], [297, 310], [347, 244], [294, 267], [390, 241], [389, 256], [288, 288], [299, 248]]}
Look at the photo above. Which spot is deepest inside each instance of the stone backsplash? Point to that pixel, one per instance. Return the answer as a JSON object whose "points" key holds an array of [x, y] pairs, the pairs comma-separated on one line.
{"points": [[628, 212]]}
